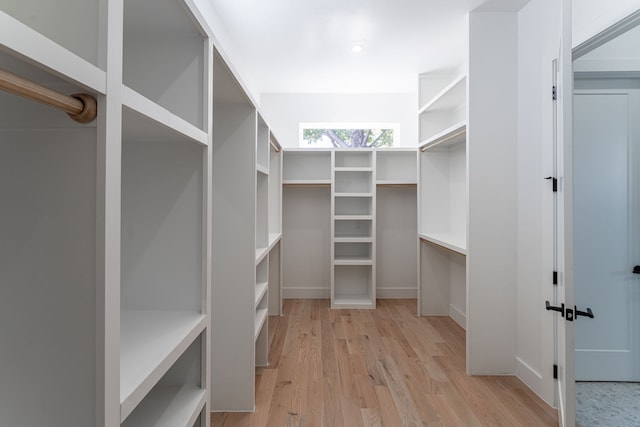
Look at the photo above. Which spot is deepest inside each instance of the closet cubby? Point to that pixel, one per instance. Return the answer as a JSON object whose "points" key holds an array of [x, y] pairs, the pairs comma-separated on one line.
{"points": [[353, 229], [306, 166], [354, 159], [443, 199], [353, 182], [164, 57], [354, 286], [178, 398], [442, 103], [443, 192], [161, 256], [354, 253], [46, 19], [348, 207], [48, 254], [396, 166]]}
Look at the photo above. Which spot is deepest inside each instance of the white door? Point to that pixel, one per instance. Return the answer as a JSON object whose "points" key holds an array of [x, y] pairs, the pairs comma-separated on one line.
{"points": [[566, 393], [605, 234]]}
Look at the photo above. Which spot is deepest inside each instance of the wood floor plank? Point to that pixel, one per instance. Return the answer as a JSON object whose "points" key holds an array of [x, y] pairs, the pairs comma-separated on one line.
{"points": [[384, 367]]}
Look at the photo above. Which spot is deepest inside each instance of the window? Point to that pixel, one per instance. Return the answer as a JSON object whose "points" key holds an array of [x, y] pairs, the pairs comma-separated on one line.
{"points": [[348, 135]]}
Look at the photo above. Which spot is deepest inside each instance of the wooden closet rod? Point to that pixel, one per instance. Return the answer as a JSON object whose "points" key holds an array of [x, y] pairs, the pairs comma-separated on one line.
{"points": [[445, 139], [81, 107]]}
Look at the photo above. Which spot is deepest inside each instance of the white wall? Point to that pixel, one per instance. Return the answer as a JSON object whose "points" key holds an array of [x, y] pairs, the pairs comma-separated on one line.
{"points": [[538, 44], [284, 112]]}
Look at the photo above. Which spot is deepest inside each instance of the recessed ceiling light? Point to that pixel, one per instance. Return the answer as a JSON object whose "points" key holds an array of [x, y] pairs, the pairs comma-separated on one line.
{"points": [[357, 48]]}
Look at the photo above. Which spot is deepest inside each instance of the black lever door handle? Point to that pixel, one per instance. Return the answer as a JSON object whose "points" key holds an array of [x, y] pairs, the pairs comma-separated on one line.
{"points": [[587, 313], [636, 269], [560, 309]]}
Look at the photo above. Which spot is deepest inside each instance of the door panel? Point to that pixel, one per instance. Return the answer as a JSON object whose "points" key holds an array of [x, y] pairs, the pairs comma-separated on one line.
{"points": [[604, 239]]}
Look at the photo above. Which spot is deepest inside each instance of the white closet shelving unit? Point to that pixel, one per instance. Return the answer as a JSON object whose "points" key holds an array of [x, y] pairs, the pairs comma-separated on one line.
{"points": [[396, 222], [246, 238], [105, 280], [334, 218], [442, 217], [353, 229]]}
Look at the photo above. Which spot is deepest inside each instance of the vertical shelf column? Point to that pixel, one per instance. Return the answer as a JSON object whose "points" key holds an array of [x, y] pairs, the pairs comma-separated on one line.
{"points": [[353, 228]]}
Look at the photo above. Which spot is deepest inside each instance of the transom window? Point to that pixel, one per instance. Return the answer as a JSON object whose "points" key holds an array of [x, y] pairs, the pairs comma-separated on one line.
{"points": [[348, 135]]}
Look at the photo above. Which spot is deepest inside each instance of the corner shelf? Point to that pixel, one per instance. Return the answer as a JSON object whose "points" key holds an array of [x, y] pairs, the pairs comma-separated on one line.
{"points": [[179, 406], [449, 138], [164, 335], [445, 241]]}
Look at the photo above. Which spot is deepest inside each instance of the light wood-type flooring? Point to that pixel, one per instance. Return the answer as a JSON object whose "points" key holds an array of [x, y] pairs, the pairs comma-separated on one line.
{"points": [[383, 367]]}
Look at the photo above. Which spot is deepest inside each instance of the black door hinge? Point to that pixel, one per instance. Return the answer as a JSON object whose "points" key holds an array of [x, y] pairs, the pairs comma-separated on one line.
{"points": [[554, 92], [555, 277], [555, 372], [555, 183]]}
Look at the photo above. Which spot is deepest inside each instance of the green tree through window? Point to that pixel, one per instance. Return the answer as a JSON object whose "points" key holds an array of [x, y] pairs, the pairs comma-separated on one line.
{"points": [[349, 138]]}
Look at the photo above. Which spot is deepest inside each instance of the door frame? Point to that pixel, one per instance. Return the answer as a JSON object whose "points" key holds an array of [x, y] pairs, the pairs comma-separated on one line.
{"points": [[565, 331]]}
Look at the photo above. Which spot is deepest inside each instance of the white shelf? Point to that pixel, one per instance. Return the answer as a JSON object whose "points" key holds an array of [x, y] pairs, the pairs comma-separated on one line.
{"points": [[353, 217], [446, 241], [167, 406], [261, 290], [448, 139], [274, 238], [353, 194], [448, 98], [352, 261], [352, 301], [302, 182], [262, 169], [353, 239], [353, 169], [150, 342], [399, 182], [161, 116], [261, 317], [30, 44], [260, 254]]}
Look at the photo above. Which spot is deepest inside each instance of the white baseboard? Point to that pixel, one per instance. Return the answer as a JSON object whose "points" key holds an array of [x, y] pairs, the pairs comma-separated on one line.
{"points": [[528, 375], [458, 316], [397, 293], [306, 293], [325, 293]]}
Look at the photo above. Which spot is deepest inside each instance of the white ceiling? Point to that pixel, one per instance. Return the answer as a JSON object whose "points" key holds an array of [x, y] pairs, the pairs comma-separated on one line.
{"points": [[304, 46]]}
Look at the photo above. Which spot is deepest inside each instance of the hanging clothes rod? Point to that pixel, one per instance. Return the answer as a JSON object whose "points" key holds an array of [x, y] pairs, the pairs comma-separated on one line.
{"points": [[81, 107], [446, 138]]}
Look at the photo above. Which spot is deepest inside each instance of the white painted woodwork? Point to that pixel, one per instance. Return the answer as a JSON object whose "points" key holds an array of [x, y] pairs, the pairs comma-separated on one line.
{"points": [[165, 335], [306, 244], [47, 271], [538, 40], [112, 215], [353, 245], [167, 45], [442, 197], [178, 398], [89, 25], [396, 166], [307, 247], [233, 257], [246, 236], [444, 108], [397, 226], [605, 156], [492, 190], [306, 166]]}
